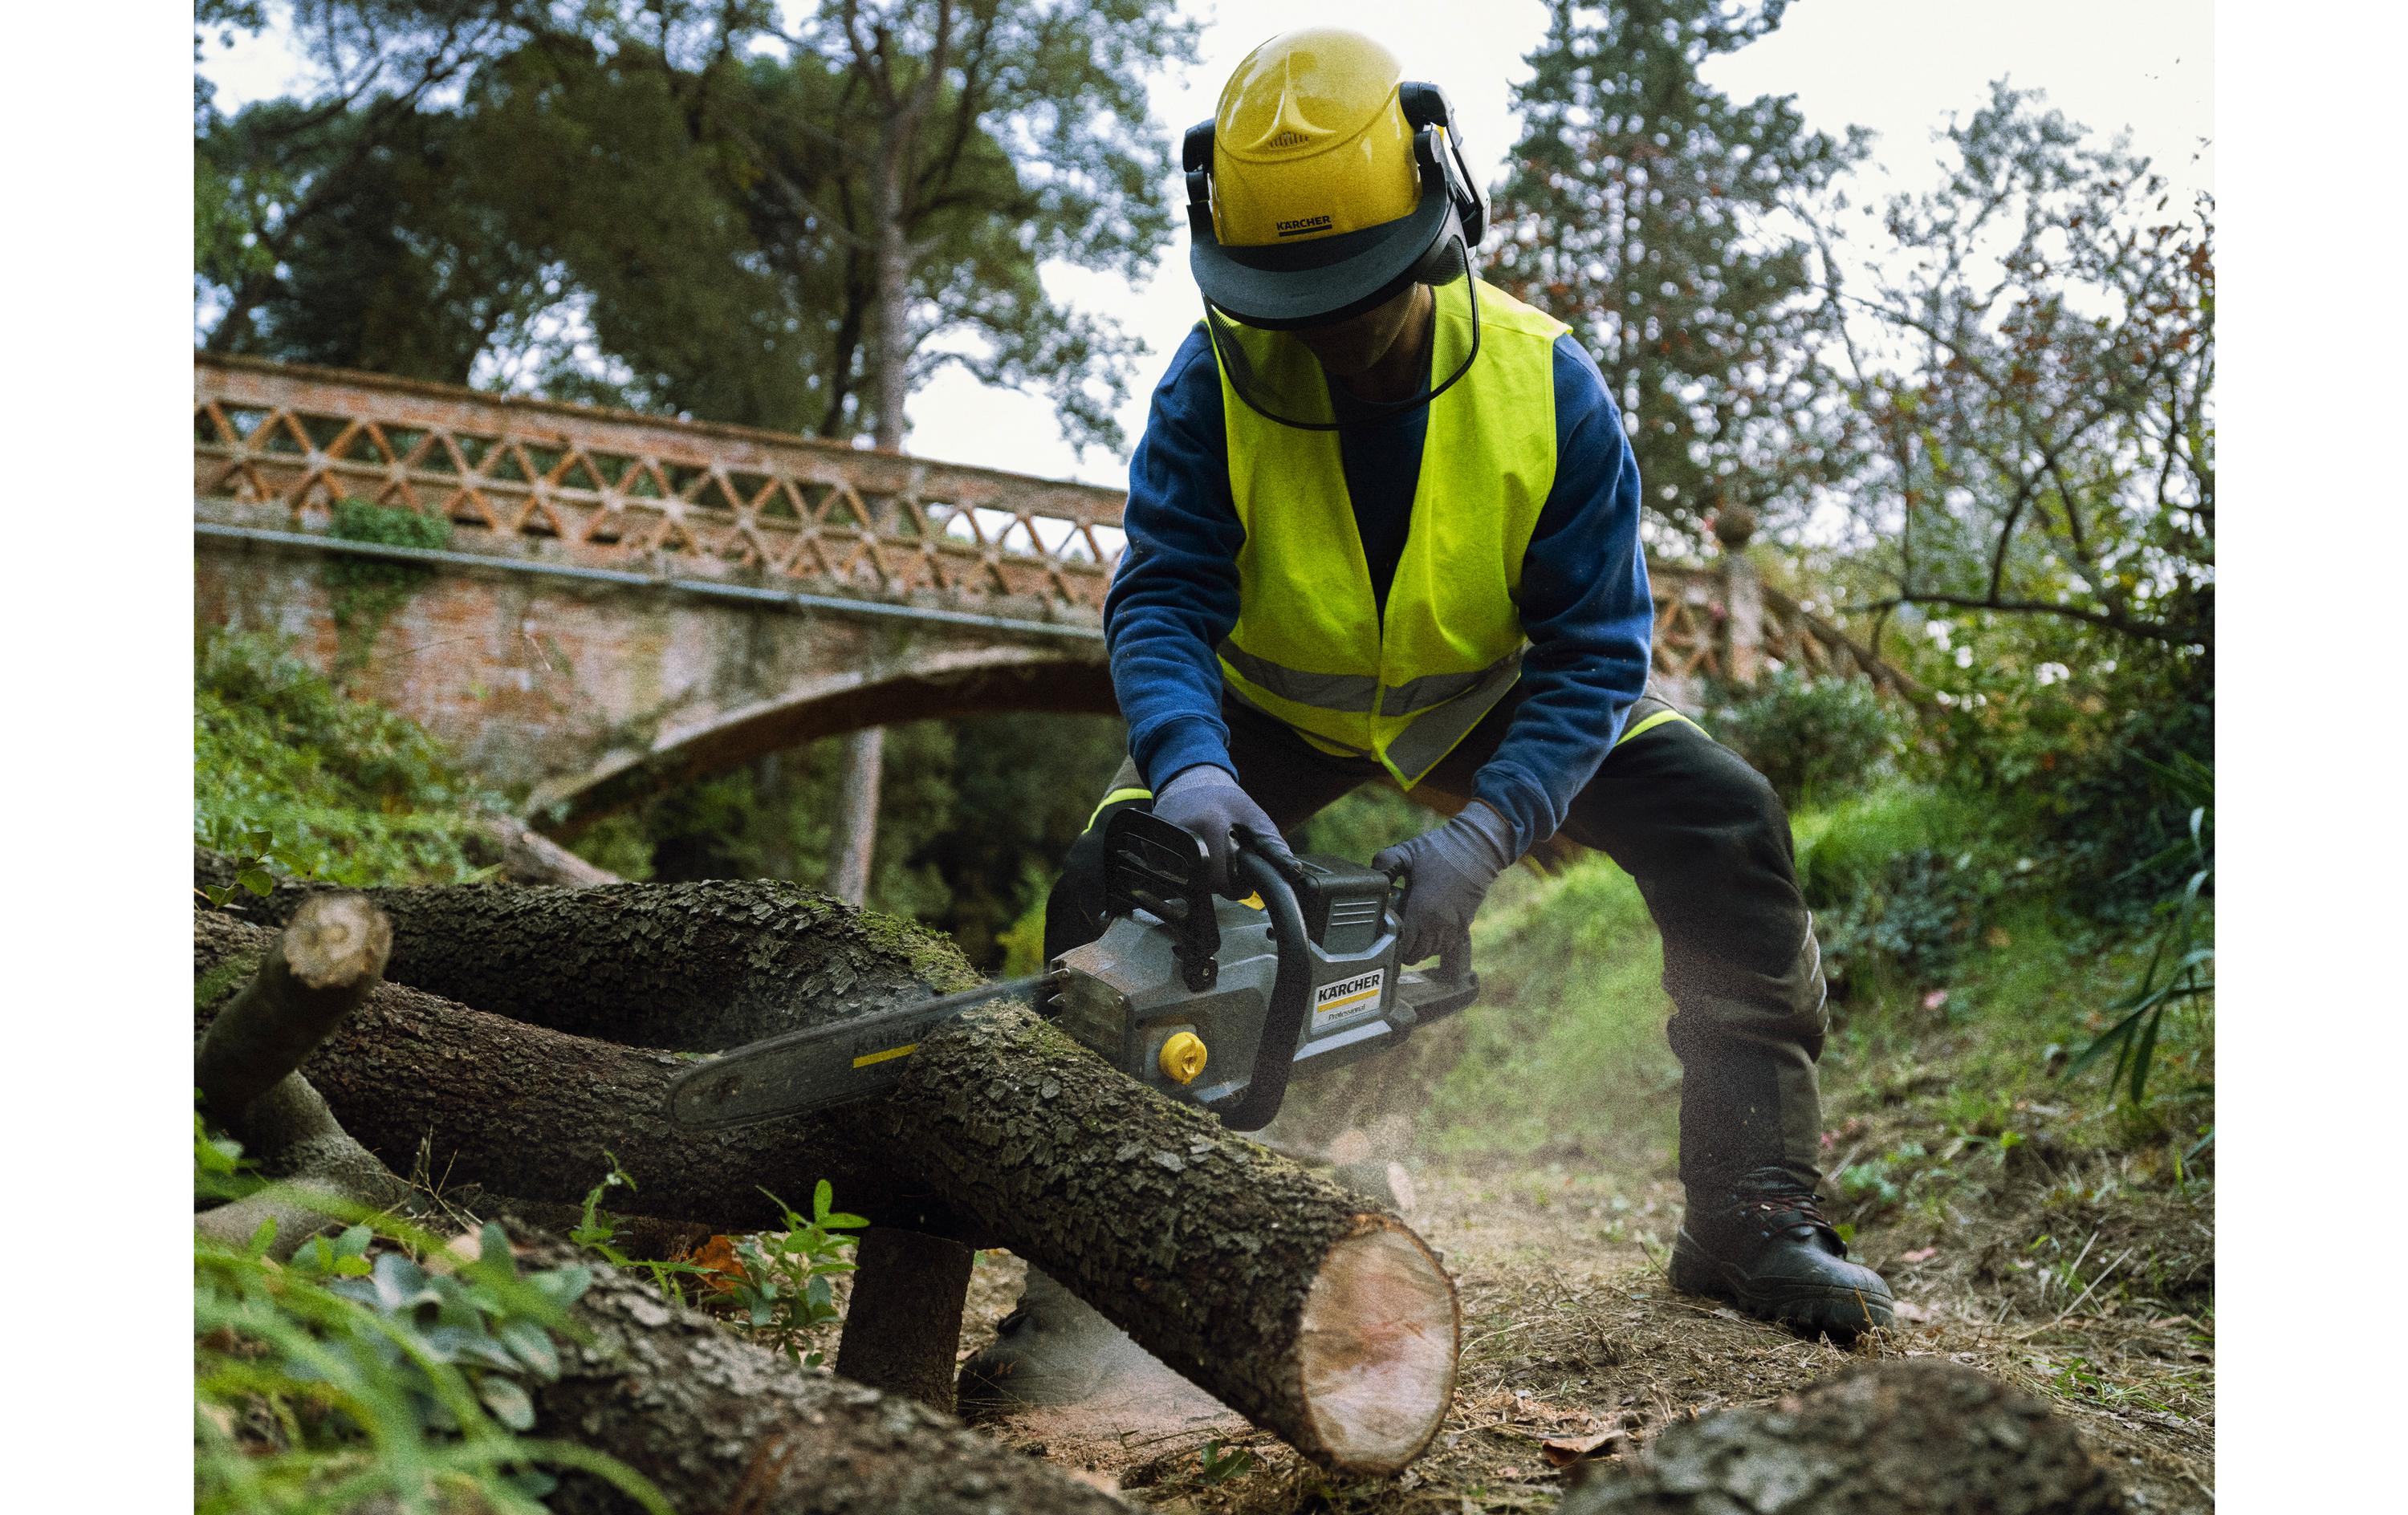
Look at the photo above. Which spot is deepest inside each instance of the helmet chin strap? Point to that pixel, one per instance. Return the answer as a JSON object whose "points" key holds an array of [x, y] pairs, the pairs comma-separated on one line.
{"points": [[1233, 362]]}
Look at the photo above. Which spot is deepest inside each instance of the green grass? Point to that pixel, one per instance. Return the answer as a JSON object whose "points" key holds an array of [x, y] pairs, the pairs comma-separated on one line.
{"points": [[355, 792], [1565, 1048], [1565, 1053], [1843, 849]]}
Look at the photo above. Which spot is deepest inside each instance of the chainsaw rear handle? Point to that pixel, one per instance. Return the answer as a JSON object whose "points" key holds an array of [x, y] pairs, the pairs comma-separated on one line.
{"points": [[1291, 992]]}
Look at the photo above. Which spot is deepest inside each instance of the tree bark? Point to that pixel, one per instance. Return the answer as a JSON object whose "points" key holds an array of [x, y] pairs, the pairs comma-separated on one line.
{"points": [[1903, 1438], [1277, 1291], [719, 1423], [903, 1324], [536, 1114]]}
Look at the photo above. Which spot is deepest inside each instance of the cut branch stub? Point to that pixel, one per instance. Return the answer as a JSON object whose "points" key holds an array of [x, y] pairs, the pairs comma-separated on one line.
{"points": [[329, 955]]}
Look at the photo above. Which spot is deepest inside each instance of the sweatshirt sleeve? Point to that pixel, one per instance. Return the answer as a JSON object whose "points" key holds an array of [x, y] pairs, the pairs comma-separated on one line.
{"points": [[1585, 607], [1174, 596]]}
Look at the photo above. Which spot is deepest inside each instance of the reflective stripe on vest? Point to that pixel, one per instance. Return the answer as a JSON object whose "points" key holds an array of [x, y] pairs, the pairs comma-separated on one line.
{"points": [[1310, 647]]}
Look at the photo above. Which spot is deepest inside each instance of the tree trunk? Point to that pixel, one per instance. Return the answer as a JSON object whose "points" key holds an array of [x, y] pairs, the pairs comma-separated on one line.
{"points": [[890, 362], [719, 1423], [1913, 1438], [1271, 1289], [856, 814]]}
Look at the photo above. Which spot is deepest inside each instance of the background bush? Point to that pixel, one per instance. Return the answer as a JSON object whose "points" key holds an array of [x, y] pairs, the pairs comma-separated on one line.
{"points": [[349, 790], [1815, 738]]}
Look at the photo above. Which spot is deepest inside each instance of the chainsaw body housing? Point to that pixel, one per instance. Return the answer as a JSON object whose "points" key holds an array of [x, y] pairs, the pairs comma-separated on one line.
{"points": [[1125, 994]]}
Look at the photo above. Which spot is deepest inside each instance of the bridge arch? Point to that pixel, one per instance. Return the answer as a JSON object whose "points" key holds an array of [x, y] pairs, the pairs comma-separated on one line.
{"points": [[970, 681]]}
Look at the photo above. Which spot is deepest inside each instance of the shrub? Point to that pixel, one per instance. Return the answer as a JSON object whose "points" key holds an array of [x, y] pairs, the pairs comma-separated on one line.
{"points": [[1814, 738], [347, 788], [1901, 876], [366, 591]]}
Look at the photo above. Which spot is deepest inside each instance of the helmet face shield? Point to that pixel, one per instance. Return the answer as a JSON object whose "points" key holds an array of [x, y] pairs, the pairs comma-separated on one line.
{"points": [[1278, 376]]}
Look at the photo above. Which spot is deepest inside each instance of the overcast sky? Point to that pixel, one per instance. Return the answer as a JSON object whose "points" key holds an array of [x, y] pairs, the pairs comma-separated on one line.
{"points": [[1899, 66]]}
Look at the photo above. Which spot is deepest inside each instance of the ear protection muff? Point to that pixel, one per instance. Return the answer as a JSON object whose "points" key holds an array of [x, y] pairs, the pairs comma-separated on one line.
{"points": [[1428, 110]]}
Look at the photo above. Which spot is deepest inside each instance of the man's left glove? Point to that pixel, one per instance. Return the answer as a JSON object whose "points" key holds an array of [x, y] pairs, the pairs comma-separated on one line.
{"points": [[1450, 867]]}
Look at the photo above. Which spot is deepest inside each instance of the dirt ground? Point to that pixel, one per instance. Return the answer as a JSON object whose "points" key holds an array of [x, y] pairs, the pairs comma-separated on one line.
{"points": [[1572, 1335]]}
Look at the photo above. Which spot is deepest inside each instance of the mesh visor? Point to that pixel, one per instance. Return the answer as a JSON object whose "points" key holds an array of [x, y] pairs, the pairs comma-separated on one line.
{"points": [[1279, 378]]}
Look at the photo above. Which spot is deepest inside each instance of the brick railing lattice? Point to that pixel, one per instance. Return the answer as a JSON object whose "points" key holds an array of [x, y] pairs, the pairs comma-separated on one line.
{"points": [[278, 445]]}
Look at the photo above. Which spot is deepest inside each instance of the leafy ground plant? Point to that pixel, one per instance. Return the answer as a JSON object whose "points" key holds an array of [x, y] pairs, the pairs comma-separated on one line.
{"points": [[289, 774], [2176, 976], [382, 1367], [781, 1281], [343, 1377]]}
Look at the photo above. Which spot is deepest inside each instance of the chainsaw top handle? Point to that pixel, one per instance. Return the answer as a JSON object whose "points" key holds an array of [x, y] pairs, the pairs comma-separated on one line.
{"points": [[1291, 991]]}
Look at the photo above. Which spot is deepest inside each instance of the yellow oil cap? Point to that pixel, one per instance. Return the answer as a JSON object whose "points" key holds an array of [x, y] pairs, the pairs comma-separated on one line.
{"points": [[1182, 1057]]}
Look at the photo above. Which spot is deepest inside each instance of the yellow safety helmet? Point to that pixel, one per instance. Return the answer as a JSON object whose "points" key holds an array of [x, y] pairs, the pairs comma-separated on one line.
{"points": [[1325, 183]]}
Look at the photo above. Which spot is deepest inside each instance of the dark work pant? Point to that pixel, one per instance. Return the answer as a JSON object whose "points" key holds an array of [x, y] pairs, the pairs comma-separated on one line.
{"points": [[1707, 842]]}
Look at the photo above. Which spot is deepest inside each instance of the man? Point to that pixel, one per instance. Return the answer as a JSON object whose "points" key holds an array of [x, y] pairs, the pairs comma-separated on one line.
{"points": [[1383, 527]]}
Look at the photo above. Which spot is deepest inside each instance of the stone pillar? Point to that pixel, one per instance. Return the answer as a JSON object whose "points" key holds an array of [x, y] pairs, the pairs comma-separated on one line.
{"points": [[1743, 628]]}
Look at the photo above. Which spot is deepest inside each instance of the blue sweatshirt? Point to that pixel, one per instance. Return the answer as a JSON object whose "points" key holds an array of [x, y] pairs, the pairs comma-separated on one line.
{"points": [[1584, 603]]}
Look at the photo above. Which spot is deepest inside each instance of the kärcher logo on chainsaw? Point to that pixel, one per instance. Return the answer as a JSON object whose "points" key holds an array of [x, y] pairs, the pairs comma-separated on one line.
{"points": [[1346, 997]]}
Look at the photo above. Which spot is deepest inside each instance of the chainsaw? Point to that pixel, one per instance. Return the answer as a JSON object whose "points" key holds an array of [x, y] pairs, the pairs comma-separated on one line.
{"points": [[1213, 1001]]}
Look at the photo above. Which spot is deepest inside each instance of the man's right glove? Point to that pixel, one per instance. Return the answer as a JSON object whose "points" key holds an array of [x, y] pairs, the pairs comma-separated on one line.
{"points": [[1207, 801]]}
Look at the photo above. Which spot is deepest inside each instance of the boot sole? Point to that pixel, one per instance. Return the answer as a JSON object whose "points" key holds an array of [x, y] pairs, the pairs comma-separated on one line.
{"points": [[1842, 1314]]}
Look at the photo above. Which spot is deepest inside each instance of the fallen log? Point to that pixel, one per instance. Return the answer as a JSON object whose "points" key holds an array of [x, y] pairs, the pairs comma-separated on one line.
{"points": [[695, 967], [1913, 1437], [1268, 1286], [1284, 1295], [527, 856], [523, 1111], [719, 1423]]}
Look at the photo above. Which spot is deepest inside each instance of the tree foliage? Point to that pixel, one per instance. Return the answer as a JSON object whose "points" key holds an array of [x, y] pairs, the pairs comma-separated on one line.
{"points": [[670, 205], [1645, 208], [2031, 350]]}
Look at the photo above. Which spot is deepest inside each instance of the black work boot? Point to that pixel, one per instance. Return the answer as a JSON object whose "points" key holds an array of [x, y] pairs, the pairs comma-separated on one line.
{"points": [[1762, 1245], [1052, 1349]]}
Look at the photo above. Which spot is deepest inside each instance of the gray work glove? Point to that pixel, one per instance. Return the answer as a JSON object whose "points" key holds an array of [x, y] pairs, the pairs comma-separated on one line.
{"points": [[1450, 868], [1207, 801]]}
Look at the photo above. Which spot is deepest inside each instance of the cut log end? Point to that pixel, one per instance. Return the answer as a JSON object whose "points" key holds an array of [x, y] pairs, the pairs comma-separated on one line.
{"points": [[337, 940], [1376, 1347]]}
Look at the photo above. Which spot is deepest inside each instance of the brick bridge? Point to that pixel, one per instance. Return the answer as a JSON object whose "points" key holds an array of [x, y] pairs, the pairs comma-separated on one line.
{"points": [[626, 603]]}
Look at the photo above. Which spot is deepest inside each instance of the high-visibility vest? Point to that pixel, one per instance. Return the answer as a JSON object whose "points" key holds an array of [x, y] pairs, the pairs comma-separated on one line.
{"points": [[1310, 647]]}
